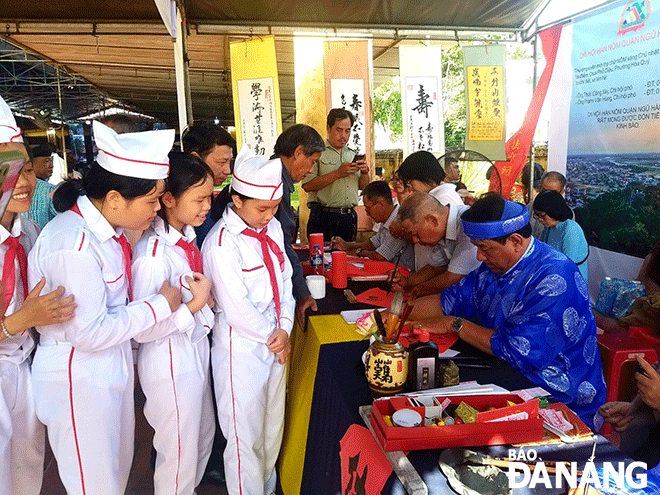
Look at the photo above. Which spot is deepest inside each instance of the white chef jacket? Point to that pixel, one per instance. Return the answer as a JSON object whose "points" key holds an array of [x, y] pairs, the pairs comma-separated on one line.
{"points": [[156, 259], [78, 252], [241, 284], [19, 346], [249, 381], [22, 436], [175, 370]]}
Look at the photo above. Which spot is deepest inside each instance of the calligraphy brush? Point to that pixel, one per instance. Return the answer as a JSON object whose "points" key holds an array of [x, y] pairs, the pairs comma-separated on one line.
{"points": [[407, 309], [379, 323], [396, 267]]}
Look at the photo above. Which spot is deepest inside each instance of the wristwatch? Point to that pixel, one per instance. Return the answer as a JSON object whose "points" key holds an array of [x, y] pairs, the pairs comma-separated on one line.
{"points": [[457, 326], [358, 251]]}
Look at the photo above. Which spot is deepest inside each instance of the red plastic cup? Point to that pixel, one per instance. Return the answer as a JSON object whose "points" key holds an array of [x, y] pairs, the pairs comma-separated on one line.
{"points": [[339, 277]]}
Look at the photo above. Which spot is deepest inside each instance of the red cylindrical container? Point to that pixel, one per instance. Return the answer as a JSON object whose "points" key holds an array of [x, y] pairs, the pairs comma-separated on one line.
{"points": [[339, 278]]}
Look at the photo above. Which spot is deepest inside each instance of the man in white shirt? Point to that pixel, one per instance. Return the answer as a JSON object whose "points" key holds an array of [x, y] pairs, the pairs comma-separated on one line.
{"points": [[421, 172], [453, 256], [377, 199]]}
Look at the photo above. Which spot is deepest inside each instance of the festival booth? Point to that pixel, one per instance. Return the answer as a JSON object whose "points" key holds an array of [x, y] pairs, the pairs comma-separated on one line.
{"points": [[336, 440]]}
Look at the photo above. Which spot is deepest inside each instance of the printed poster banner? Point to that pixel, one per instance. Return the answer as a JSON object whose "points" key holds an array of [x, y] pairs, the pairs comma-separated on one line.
{"points": [[347, 68], [421, 99], [485, 99], [256, 92], [349, 95], [612, 146]]}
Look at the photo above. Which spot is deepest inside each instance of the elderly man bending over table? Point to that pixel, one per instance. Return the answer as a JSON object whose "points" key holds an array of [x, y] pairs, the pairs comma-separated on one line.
{"points": [[527, 304]]}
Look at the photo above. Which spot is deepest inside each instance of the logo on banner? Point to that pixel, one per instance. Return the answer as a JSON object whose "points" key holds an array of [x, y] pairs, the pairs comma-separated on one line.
{"points": [[526, 470], [634, 16]]}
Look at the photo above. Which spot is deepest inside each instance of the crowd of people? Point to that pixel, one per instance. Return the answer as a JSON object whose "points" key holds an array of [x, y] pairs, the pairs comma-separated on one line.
{"points": [[204, 296]]}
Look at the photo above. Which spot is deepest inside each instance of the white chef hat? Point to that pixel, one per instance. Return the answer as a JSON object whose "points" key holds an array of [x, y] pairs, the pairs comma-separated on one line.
{"points": [[9, 131], [256, 176], [134, 154]]}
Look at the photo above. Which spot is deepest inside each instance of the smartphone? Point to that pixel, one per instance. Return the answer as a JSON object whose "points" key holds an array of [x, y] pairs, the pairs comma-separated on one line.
{"points": [[11, 163], [358, 157]]}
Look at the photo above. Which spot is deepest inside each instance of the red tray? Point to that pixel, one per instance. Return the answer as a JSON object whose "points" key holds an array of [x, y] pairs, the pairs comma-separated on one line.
{"points": [[464, 435]]}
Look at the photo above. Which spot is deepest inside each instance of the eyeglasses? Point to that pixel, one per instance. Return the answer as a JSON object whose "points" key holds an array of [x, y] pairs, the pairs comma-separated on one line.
{"points": [[367, 207], [399, 184], [540, 215]]}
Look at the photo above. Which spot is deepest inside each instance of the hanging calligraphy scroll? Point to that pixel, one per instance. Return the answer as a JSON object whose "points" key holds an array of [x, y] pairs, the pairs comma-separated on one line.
{"points": [[421, 99], [485, 99], [422, 110], [256, 94], [349, 95], [257, 109], [347, 67]]}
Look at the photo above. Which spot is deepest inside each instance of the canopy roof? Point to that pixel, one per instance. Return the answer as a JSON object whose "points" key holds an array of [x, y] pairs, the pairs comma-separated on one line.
{"points": [[120, 52], [507, 14]]}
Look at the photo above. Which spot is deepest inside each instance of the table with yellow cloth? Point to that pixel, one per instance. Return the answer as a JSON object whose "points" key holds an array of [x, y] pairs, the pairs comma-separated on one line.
{"points": [[327, 329]]}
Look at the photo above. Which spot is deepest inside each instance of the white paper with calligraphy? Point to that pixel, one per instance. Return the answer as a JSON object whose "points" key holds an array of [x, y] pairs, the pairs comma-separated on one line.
{"points": [[258, 114], [349, 94], [422, 113]]}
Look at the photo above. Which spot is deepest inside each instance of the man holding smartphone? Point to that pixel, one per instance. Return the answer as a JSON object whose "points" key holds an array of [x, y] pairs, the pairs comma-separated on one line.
{"points": [[335, 181]]}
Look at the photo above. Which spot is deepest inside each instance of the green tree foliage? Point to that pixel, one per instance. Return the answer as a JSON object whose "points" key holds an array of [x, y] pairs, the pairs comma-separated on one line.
{"points": [[625, 221], [387, 108], [453, 95], [387, 97]]}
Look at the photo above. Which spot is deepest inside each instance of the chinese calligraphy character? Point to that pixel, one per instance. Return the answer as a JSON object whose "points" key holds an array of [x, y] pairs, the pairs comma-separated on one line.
{"points": [[356, 484], [382, 370], [423, 102], [256, 90], [356, 105], [343, 101]]}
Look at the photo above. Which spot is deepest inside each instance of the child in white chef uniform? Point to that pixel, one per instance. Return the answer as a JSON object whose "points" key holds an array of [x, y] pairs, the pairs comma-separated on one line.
{"points": [[175, 370], [83, 369], [243, 255], [22, 436]]}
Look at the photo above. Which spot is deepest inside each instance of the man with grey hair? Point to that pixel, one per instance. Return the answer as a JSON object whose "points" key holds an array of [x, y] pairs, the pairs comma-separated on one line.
{"points": [[299, 149], [427, 222]]}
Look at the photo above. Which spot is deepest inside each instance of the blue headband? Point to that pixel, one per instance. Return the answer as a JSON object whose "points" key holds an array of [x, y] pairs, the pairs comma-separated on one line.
{"points": [[514, 217]]}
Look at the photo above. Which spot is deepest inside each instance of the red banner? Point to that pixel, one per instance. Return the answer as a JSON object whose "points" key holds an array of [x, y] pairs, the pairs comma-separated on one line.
{"points": [[364, 467], [518, 145]]}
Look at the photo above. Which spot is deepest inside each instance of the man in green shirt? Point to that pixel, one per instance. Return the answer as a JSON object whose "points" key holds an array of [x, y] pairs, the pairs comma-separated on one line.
{"points": [[335, 181]]}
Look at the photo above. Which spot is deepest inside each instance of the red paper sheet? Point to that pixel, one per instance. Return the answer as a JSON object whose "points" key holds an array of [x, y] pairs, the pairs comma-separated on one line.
{"points": [[364, 467], [376, 297]]}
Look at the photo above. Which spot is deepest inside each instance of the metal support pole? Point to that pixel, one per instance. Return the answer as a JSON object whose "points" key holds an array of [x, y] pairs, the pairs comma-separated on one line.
{"points": [[59, 98], [532, 192], [181, 66]]}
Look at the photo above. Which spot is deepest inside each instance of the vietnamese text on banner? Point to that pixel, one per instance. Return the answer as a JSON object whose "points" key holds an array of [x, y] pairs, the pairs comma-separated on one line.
{"points": [[605, 126], [421, 99], [485, 99], [256, 91]]}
